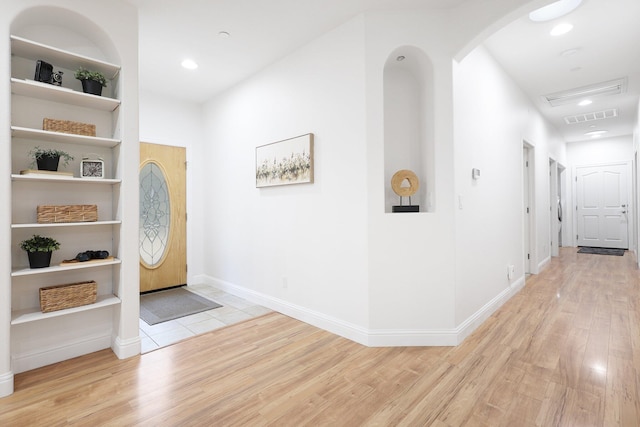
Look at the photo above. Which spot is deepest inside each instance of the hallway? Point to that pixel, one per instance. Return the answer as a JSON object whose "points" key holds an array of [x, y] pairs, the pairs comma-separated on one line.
{"points": [[564, 351]]}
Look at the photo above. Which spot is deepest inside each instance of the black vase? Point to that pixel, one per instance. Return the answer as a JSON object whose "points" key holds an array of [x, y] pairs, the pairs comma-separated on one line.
{"points": [[48, 163], [39, 259], [91, 86]]}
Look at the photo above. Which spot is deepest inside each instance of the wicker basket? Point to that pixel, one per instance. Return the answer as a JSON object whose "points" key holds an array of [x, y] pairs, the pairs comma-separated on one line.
{"points": [[67, 213], [67, 126], [53, 298]]}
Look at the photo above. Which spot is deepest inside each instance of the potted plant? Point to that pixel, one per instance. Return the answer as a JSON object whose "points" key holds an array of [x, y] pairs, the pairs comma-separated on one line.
{"points": [[39, 250], [92, 81], [49, 159]]}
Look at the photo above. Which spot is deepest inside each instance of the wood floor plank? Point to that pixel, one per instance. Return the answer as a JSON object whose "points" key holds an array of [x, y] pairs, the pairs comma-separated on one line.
{"points": [[564, 351]]}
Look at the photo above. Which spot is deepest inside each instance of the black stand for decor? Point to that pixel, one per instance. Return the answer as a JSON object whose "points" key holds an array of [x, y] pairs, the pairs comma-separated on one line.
{"points": [[409, 208]]}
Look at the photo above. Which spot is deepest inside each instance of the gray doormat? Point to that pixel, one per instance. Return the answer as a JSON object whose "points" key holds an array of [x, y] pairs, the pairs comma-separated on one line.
{"points": [[601, 251], [162, 306]]}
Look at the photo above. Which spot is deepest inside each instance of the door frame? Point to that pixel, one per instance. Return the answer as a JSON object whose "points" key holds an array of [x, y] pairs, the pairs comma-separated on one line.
{"points": [[556, 184], [530, 259], [630, 204], [553, 207], [562, 191]]}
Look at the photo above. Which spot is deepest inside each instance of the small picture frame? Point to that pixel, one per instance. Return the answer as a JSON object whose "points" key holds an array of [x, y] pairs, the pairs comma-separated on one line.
{"points": [[91, 168]]}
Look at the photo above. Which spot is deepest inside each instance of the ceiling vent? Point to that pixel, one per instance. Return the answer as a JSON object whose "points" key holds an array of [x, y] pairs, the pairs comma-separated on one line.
{"points": [[573, 96], [589, 117]]}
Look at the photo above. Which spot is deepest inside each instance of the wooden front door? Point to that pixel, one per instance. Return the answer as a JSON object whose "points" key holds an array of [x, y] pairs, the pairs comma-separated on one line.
{"points": [[163, 221]]}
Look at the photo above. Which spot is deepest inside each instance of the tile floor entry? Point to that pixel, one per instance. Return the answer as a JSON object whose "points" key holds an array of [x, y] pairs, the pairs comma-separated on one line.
{"points": [[234, 309]]}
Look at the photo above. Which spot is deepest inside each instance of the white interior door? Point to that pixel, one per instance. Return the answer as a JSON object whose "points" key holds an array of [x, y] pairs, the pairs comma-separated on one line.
{"points": [[602, 205]]}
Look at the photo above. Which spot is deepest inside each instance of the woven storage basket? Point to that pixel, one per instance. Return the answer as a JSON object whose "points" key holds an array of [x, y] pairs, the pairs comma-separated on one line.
{"points": [[67, 213], [67, 126], [53, 298]]}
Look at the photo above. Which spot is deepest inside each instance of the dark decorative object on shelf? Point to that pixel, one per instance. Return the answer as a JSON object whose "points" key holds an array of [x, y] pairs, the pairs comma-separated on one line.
{"points": [[48, 159], [39, 250], [403, 208], [45, 74], [92, 81], [88, 255]]}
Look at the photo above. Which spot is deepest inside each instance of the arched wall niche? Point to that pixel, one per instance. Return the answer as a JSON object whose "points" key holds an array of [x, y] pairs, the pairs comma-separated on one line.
{"points": [[67, 30], [408, 124]]}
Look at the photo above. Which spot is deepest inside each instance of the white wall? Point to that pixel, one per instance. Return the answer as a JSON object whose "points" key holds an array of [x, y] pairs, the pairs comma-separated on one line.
{"points": [[179, 123], [411, 256], [328, 253], [492, 120], [310, 236], [601, 150]]}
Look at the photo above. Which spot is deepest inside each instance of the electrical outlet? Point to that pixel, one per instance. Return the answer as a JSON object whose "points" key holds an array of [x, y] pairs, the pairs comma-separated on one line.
{"points": [[511, 271], [285, 282]]}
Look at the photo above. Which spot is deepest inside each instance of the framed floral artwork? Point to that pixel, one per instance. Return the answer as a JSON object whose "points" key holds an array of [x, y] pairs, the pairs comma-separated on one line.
{"points": [[285, 162]]}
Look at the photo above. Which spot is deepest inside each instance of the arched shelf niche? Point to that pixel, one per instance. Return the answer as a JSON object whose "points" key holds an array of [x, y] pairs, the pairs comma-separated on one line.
{"points": [[69, 31], [69, 40], [408, 124]]}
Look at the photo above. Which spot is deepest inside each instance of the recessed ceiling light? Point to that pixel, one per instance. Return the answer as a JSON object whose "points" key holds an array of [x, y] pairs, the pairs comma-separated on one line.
{"points": [[400, 58], [224, 34], [596, 133], [554, 10], [189, 64], [585, 102], [561, 29]]}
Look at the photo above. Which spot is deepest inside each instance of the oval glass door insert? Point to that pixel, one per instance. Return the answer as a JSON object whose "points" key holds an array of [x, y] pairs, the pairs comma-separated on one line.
{"points": [[155, 215]]}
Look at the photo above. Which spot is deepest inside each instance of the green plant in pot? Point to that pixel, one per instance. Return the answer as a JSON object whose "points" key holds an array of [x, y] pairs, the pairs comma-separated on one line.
{"points": [[39, 250], [92, 81], [49, 159]]}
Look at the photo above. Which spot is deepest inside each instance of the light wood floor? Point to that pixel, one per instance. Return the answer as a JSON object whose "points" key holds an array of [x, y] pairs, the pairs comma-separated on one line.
{"points": [[565, 351]]}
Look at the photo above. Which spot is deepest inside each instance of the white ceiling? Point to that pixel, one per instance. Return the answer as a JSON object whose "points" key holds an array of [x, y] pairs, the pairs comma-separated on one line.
{"points": [[261, 32], [606, 34]]}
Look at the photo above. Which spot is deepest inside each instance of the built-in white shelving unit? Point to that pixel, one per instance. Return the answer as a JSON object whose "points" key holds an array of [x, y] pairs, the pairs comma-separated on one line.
{"points": [[47, 92], [59, 268], [28, 315], [65, 224], [68, 35], [45, 135], [33, 50], [33, 101], [46, 178]]}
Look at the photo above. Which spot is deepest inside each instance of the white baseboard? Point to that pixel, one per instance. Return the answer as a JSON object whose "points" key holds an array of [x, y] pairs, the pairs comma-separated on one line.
{"points": [[6, 384], [411, 338], [32, 360], [364, 336], [479, 317], [320, 320], [544, 263], [124, 349]]}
